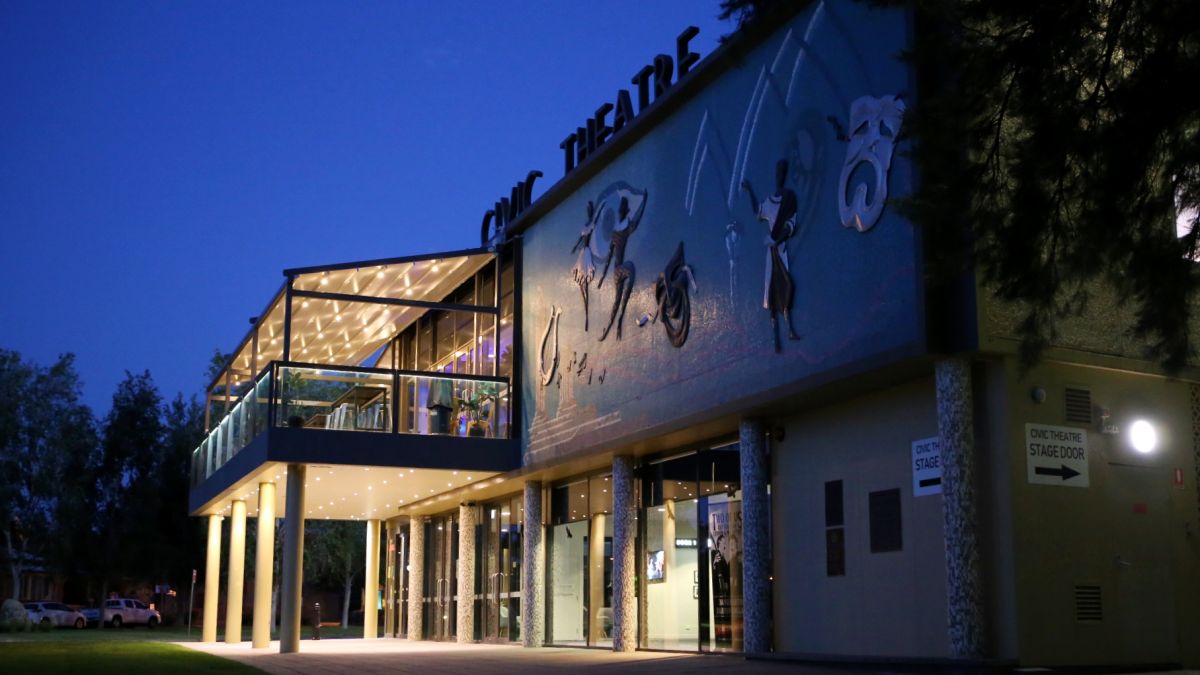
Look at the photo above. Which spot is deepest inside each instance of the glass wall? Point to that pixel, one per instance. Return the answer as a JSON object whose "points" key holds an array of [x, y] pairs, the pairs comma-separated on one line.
{"points": [[691, 560], [580, 563], [332, 398], [440, 615], [499, 609]]}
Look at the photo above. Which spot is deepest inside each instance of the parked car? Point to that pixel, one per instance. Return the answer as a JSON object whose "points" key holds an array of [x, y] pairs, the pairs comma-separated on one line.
{"points": [[54, 614], [124, 612]]}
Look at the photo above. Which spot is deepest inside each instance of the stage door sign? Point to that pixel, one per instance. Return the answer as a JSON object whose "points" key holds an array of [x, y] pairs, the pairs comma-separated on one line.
{"points": [[1056, 455], [926, 467]]}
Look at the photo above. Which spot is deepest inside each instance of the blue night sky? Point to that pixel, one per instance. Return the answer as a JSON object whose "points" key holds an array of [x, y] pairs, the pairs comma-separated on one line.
{"points": [[161, 163]]}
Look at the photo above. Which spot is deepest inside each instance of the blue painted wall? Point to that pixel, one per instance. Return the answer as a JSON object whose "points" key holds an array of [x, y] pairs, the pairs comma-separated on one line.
{"points": [[857, 294]]}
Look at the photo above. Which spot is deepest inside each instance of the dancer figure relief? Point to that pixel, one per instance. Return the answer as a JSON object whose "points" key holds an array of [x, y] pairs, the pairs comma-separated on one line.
{"points": [[779, 213], [584, 270], [624, 272]]}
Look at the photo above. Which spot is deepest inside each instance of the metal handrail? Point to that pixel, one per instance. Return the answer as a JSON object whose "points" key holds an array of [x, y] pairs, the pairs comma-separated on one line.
{"points": [[273, 369]]}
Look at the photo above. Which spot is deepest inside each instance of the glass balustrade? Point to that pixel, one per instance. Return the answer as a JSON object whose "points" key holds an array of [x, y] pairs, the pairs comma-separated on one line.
{"points": [[335, 398], [372, 400]]}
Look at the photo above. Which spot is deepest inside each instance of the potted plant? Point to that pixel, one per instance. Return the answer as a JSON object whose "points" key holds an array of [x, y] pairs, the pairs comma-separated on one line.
{"points": [[476, 404]]}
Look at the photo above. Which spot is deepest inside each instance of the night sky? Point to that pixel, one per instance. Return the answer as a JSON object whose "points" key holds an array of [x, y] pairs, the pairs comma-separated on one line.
{"points": [[162, 163]]}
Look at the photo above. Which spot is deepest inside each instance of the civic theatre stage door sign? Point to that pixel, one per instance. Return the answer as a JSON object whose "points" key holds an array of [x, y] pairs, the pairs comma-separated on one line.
{"points": [[1056, 455], [926, 467]]}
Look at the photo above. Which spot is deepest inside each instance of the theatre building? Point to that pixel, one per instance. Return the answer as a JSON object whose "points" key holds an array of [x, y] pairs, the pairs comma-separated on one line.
{"points": [[698, 395]]}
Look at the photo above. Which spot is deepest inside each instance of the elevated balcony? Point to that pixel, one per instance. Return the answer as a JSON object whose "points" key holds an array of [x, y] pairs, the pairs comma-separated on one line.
{"points": [[402, 364]]}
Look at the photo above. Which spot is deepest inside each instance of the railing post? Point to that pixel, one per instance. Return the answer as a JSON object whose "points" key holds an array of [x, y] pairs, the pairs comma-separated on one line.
{"points": [[271, 419], [287, 320], [395, 401]]}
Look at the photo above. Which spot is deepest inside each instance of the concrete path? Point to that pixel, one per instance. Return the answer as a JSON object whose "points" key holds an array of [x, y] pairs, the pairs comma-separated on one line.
{"points": [[372, 657], [369, 657]]}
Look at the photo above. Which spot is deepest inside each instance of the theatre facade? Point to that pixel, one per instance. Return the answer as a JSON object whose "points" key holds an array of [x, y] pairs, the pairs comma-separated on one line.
{"points": [[699, 396]]}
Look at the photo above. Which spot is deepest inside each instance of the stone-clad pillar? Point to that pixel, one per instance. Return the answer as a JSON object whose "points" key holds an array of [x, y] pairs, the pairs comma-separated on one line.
{"points": [[264, 567], [371, 582], [237, 573], [533, 569], [292, 583], [756, 537], [624, 562], [212, 580], [956, 438], [416, 575], [465, 630]]}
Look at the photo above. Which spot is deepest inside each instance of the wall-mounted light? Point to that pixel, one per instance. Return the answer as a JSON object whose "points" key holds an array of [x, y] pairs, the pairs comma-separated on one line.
{"points": [[1143, 436]]}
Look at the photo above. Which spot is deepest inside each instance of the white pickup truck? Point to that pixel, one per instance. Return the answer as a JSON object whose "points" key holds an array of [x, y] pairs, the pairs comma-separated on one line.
{"points": [[124, 612]]}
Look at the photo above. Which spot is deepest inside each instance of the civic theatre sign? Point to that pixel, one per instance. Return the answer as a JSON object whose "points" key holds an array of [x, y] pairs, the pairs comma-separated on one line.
{"points": [[656, 76]]}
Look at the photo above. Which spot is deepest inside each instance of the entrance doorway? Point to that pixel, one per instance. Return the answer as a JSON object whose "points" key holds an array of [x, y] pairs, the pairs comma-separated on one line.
{"points": [[1141, 568], [691, 556], [579, 591], [502, 570], [441, 555]]}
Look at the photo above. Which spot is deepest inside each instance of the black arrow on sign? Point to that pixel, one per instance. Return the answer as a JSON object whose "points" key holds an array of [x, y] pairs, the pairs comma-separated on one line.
{"points": [[929, 482], [1065, 472]]}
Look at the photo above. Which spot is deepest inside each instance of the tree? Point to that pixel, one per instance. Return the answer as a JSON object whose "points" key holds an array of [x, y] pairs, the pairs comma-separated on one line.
{"points": [[1059, 149], [334, 551], [45, 433], [128, 472], [181, 540]]}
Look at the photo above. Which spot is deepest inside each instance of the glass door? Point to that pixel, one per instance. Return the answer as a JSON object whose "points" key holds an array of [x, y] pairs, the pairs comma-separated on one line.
{"points": [[399, 553], [502, 570], [691, 556], [440, 582]]}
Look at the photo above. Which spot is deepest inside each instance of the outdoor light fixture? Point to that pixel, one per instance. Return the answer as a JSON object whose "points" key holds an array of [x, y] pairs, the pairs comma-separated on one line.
{"points": [[1143, 436]]}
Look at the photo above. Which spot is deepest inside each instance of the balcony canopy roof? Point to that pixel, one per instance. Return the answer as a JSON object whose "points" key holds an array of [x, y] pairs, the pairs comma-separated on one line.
{"points": [[344, 314]]}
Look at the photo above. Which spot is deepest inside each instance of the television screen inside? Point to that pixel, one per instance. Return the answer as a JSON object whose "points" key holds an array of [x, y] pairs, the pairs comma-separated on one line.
{"points": [[654, 565]]}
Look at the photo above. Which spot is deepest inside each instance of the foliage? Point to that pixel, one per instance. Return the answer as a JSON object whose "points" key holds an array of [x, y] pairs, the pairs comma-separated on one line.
{"points": [[46, 433], [1058, 145], [748, 12], [13, 616], [477, 402], [109, 504], [334, 555], [1066, 136]]}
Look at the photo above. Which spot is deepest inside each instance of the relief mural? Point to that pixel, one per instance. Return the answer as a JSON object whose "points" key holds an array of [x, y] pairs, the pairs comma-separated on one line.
{"points": [[874, 128], [779, 213], [837, 266]]}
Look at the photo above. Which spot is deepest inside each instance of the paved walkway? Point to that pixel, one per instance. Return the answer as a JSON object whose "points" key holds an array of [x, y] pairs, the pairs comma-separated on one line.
{"points": [[369, 657], [372, 657]]}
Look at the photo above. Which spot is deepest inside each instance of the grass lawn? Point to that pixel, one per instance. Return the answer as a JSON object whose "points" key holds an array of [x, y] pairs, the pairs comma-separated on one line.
{"points": [[125, 651], [130, 654], [160, 634]]}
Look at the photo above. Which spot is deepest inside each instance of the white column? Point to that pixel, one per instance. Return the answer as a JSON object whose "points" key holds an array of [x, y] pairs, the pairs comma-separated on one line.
{"points": [[237, 573], [293, 561], [389, 579], [624, 562], [212, 580], [465, 629], [371, 586], [533, 569], [756, 537], [956, 438], [264, 567], [595, 589], [416, 575]]}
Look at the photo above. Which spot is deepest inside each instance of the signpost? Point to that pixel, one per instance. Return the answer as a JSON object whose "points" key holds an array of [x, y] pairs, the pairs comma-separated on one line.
{"points": [[926, 467], [1056, 455], [190, 594]]}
